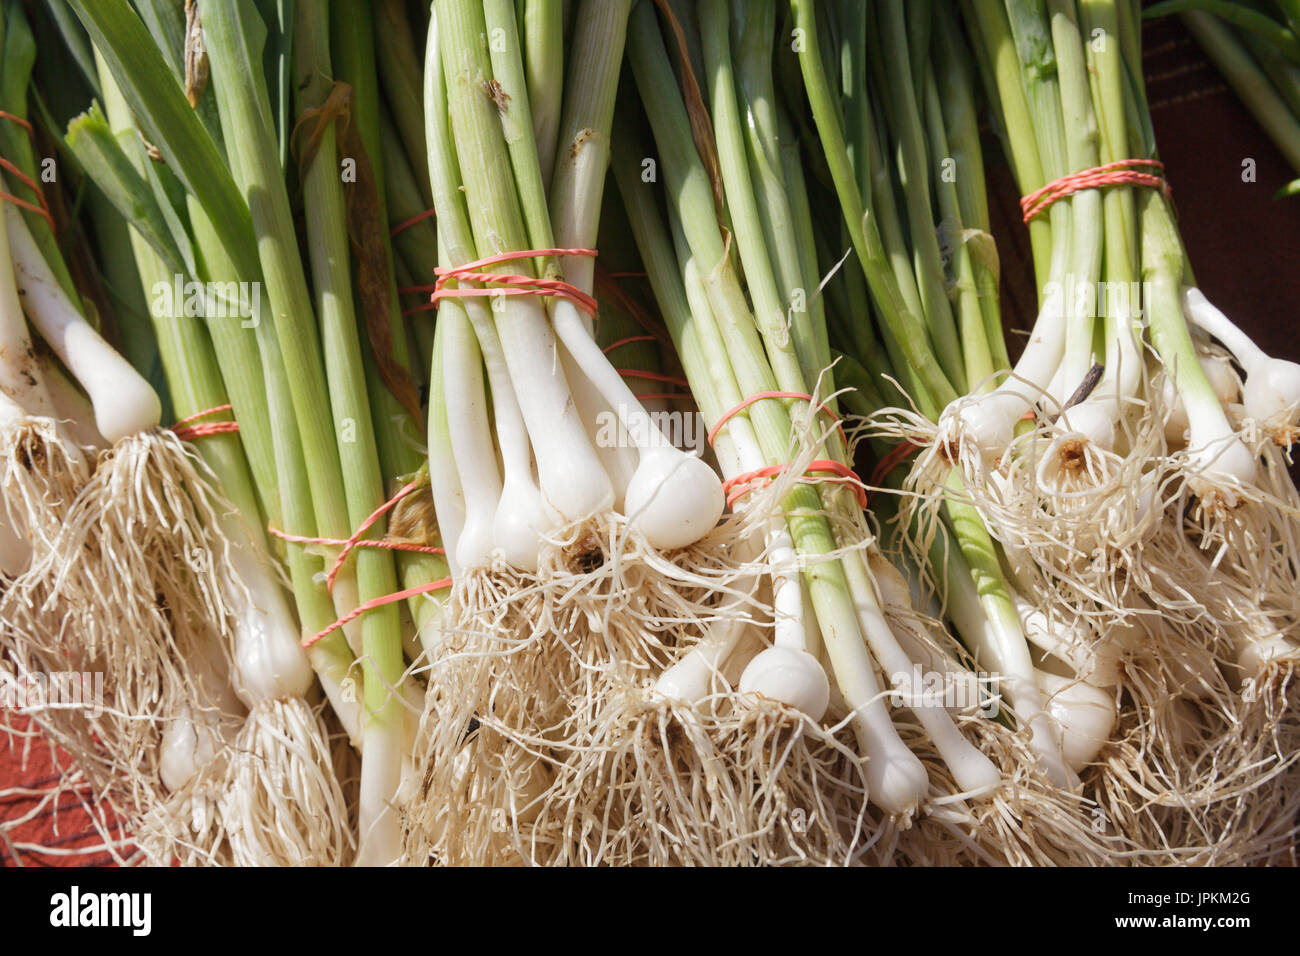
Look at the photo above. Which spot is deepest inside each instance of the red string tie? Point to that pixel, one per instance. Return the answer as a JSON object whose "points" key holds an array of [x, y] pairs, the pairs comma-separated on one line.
{"points": [[43, 209], [892, 460], [513, 284], [628, 341], [356, 612], [187, 432], [652, 377], [758, 397], [1120, 173], [408, 223], [347, 545], [741, 485]]}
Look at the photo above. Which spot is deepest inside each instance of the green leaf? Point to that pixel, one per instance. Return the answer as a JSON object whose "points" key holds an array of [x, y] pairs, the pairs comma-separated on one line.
{"points": [[101, 156], [169, 123]]}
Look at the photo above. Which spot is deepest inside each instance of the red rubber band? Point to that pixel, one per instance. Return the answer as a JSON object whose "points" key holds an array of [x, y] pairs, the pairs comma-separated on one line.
{"points": [[1112, 174], [31, 130], [741, 485], [732, 413], [652, 377], [408, 223], [187, 432], [628, 341], [356, 612], [514, 284], [43, 209], [893, 459]]}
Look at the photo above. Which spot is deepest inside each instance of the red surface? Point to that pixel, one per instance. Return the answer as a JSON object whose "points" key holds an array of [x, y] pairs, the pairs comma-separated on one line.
{"points": [[62, 826]]}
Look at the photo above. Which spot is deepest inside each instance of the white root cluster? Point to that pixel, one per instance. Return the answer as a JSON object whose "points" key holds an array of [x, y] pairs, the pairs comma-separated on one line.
{"points": [[120, 560], [1154, 571], [602, 714]]}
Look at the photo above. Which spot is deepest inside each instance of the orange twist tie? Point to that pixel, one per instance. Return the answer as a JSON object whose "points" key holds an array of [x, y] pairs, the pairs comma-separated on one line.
{"points": [[187, 432], [514, 284], [1112, 174], [408, 223], [741, 485], [44, 208]]}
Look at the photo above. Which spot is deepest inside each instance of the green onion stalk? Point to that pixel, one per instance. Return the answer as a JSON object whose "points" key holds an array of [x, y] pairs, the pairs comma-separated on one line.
{"points": [[266, 693], [781, 345], [1011, 660], [398, 429], [341, 497], [147, 512], [357, 445], [218, 258]]}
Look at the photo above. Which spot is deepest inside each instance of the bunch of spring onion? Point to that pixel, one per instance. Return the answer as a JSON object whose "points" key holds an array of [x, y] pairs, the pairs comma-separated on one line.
{"points": [[704, 763], [119, 569], [582, 542], [324, 438], [925, 259], [1072, 520], [1254, 46]]}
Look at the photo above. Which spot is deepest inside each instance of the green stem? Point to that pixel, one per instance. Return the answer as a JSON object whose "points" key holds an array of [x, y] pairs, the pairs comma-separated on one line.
{"points": [[904, 324]]}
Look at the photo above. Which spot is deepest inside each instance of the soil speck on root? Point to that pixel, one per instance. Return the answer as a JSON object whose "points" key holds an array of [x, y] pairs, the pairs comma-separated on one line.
{"points": [[1072, 455], [588, 557]]}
